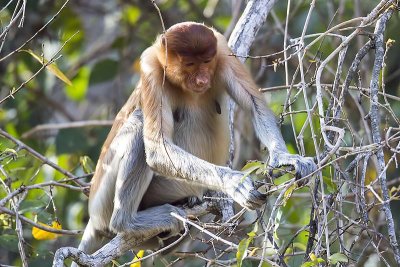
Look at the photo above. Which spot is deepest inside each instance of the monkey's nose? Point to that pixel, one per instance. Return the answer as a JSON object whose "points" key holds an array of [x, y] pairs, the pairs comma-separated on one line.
{"points": [[201, 82]]}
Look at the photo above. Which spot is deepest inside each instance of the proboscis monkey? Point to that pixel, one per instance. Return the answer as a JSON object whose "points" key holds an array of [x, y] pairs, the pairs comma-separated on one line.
{"points": [[171, 139]]}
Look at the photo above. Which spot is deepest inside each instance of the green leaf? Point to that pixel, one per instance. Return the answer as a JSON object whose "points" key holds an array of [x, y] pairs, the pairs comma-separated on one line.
{"points": [[51, 67], [241, 252], [330, 185], [308, 264], [265, 264], [131, 14], [314, 261], [244, 245], [78, 91], [300, 246], [87, 164], [288, 193], [251, 167], [338, 257]]}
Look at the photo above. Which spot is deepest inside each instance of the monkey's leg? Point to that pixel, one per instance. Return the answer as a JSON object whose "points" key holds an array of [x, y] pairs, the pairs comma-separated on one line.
{"points": [[125, 179], [154, 221], [134, 175], [91, 239], [147, 224]]}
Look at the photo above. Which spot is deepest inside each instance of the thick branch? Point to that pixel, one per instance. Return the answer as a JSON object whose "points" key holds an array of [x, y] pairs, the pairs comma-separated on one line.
{"points": [[120, 244], [242, 37], [375, 127]]}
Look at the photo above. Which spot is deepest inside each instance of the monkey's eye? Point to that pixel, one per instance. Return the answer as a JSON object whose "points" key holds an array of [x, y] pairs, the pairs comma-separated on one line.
{"points": [[207, 61], [189, 64]]}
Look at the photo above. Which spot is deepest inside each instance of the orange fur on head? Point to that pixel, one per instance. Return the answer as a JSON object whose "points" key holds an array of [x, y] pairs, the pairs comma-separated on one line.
{"points": [[191, 50], [191, 39]]}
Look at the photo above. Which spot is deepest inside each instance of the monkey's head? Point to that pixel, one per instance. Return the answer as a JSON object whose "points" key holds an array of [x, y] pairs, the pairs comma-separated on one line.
{"points": [[192, 49]]}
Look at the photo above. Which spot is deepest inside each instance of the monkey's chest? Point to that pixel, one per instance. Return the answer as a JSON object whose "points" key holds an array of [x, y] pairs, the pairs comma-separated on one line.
{"points": [[203, 134]]}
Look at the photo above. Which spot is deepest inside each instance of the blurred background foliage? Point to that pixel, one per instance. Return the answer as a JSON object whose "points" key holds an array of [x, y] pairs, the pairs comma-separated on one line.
{"points": [[101, 45]]}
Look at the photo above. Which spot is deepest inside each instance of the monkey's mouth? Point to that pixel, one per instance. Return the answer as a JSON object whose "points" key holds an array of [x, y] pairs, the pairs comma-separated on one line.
{"points": [[200, 90]]}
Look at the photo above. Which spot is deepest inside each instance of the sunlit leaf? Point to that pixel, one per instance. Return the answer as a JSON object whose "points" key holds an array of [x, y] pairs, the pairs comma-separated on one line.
{"points": [[131, 14], [77, 91], [222, 21], [308, 264], [87, 164], [242, 251], [288, 193], [40, 234], [314, 261], [390, 42], [5, 221], [265, 264], [51, 67]]}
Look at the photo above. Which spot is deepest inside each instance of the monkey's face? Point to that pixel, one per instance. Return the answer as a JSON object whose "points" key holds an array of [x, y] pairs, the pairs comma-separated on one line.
{"points": [[197, 74]]}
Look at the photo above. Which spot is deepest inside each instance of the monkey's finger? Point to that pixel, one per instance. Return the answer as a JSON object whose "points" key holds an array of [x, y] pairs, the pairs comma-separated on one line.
{"points": [[304, 167], [248, 184], [258, 198], [252, 191], [253, 198]]}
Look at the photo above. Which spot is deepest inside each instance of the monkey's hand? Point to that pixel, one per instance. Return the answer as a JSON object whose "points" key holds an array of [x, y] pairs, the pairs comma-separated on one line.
{"points": [[302, 165], [242, 190]]}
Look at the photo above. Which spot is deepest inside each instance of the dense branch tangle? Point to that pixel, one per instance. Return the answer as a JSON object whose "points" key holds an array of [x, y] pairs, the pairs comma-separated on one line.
{"points": [[335, 125]]}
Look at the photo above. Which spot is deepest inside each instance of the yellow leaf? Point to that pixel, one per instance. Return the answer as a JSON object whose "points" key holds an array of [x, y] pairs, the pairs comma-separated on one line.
{"points": [[139, 255], [390, 42], [313, 257], [51, 67], [288, 193], [40, 234], [253, 252]]}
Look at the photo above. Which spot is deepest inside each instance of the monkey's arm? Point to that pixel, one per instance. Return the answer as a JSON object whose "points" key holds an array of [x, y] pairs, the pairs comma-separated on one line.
{"points": [[244, 91], [169, 160]]}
